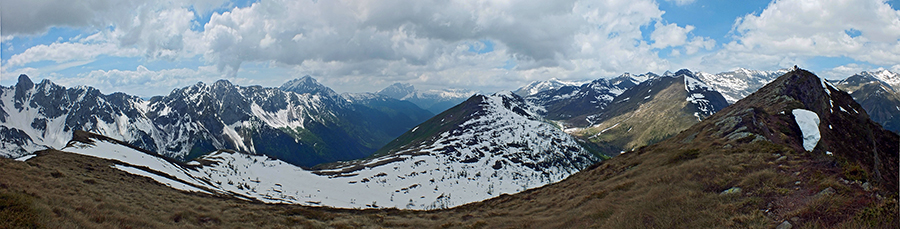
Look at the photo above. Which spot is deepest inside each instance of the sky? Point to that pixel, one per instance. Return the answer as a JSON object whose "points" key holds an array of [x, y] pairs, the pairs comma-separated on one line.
{"points": [[150, 47]]}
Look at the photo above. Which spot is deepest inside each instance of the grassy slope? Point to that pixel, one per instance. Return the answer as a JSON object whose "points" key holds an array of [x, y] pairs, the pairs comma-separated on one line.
{"points": [[673, 184], [658, 186], [651, 122]]}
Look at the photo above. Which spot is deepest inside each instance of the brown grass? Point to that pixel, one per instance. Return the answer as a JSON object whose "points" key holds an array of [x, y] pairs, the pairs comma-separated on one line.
{"points": [[656, 187]]}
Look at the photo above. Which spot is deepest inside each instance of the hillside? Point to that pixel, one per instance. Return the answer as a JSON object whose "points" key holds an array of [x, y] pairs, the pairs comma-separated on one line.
{"points": [[746, 166], [877, 96], [649, 112], [495, 146], [302, 122]]}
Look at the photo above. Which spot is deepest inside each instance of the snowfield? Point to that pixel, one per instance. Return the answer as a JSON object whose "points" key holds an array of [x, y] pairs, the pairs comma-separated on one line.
{"points": [[809, 126], [504, 149]]}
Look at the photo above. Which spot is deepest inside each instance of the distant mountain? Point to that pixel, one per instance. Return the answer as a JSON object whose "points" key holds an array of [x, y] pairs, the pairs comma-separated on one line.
{"points": [[737, 84], [878, 94], [308, 126], [485, 147], [745, 166], [308, 85], [650, 112], [570, 101], [539, 86], [435, 101]]}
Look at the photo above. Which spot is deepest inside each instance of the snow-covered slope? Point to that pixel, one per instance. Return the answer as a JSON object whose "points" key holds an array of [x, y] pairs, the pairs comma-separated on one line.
{"points": [[737, 84], [878, 97], [436, 101], [887, 77], [499, 147], [308, 125], [552, 84], [44, 115], [572, 101]]}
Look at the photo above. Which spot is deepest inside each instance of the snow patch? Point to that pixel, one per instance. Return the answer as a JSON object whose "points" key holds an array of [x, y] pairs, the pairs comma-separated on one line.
{"points": [[169, 182], [809, 127], [26, 157]]}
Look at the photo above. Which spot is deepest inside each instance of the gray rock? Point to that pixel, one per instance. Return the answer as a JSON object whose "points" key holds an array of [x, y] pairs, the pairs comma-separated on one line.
{"points": [[785, 225], [733, 190], [866, 186], [825, 192]]}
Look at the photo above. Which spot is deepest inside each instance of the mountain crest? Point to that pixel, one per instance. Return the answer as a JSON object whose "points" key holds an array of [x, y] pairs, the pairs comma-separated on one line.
{"points": [[398, 90], [803, 111], [308, 85]]}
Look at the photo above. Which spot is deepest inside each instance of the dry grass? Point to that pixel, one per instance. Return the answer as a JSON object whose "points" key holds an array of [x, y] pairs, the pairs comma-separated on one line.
{"points": [[656, 187]]}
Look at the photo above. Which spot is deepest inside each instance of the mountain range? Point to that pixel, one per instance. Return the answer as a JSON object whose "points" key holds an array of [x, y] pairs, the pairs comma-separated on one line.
{"points": [[482, 148], [878, 94], [303, 122], [436, 101], [798, 152]]}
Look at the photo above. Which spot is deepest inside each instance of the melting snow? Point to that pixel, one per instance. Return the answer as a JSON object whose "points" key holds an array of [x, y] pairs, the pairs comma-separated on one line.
{"points": [[465, 165], [171, 183], [25, 158], [809, 126]]}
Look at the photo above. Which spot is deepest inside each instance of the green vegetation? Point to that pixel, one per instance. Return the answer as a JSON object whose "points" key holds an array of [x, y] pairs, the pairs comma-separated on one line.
{"points": [[645, 124]]}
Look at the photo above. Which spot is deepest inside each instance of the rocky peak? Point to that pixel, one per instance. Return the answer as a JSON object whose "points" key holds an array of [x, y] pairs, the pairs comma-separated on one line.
{"points": [[24, 82], [800, 110], [308, 85], [22, 88], [684, 72], [397, 90]]}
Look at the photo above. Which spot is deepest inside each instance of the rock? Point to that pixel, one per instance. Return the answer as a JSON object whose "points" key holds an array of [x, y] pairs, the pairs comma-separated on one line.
{"points": [[826, 192], [781, 158], [733, 190], [784, 225], [866, 186], [795, 219]]}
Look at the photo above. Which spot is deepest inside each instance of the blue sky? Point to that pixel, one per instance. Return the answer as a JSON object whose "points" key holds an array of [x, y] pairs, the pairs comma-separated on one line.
{"points": [[148, 48]]}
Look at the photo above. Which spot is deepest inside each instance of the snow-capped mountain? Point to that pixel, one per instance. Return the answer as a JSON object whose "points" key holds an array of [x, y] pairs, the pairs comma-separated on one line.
{"points": [[737, 84], [308, 85], [37, 116], [878, 97], [436, 101], [572, 101], [649, 112], [306, 128], [807, 113], [539, 86], [886, 76], [485, 147]]}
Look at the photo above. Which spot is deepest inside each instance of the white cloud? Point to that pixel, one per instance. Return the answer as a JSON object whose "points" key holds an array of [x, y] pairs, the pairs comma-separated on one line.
{"points": [[681, 2], [141, 81], [68, 52], [34, 17], [343, 41], [844, 71], [563, 39], [796, 30], [669, 35]]}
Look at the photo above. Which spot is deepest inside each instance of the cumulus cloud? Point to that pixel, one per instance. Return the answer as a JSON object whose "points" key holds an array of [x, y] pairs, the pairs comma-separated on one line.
{"points": [[586, 39], [68, 52], [141, 81], [843, 71], [342, 41], [796, 30], [669, 35]]}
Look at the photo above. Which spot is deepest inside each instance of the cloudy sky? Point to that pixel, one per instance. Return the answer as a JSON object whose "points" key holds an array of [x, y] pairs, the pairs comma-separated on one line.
{"points": [[149, 47]]}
